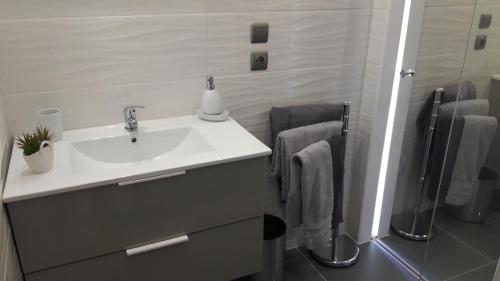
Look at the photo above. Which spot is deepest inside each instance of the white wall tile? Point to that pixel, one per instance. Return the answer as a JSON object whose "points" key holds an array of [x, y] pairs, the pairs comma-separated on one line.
{"points": [[297, 39], [445, 30], [329, 37], [26, 9], [435, 3], [250, 97], [29, 9], [47, 55], [436, 72], [102, 106], [284, 5], [377, 36], [381, 4]]}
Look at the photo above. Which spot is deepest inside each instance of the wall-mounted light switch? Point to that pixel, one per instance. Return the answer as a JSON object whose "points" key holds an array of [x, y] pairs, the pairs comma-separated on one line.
{"points": [[480, 43], [485, 21], [258, 60], [259, 33]]}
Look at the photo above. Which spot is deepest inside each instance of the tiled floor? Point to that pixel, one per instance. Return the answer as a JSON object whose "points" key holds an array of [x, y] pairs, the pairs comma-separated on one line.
{"points": [[460, 251], [374, 265]]}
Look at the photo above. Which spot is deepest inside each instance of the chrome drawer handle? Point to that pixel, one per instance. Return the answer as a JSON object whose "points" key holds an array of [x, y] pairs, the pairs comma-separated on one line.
{"points": [[125, 183], [156, 246]]}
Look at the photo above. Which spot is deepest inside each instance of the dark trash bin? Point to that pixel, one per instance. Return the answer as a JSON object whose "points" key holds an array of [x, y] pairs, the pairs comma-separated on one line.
{"points": [[274, 248]]}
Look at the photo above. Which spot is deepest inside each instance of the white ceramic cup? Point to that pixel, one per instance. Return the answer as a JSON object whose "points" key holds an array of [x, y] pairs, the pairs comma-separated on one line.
{"points": [[52, 119]]}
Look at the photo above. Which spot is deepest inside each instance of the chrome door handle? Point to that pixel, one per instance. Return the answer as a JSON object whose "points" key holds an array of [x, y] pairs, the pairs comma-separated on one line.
{"points": [[156, 246], [171, 175], [408, 73]]}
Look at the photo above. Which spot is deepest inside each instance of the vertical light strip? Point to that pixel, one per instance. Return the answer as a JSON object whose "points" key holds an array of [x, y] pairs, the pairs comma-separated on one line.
{"points": [[390, 120]]}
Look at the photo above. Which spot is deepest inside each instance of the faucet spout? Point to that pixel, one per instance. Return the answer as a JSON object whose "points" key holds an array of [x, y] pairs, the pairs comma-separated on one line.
{"points": [[130, 116]]}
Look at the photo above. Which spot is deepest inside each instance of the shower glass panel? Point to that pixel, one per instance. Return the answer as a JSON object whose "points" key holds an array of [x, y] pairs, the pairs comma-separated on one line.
{"points": [[444, 225], [467, 204]]}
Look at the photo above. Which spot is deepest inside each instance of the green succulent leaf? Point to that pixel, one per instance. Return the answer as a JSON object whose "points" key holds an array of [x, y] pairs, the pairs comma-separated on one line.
{"points": [[30, 142]]}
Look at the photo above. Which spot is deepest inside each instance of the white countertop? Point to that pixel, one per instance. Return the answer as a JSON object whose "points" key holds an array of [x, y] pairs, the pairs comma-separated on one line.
{"points": [[229, 140]]}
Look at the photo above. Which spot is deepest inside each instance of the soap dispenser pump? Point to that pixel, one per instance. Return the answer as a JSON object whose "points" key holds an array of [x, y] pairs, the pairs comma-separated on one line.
{"points": [[211, 103]]}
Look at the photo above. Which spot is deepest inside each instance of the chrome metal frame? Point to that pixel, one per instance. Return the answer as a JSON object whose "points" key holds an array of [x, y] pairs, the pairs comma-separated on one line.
{"points": [[342, 251], [417, 225]]}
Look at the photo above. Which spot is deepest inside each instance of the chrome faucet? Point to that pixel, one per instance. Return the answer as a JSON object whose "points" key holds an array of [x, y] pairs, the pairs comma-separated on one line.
{"points": [[129, 113]]}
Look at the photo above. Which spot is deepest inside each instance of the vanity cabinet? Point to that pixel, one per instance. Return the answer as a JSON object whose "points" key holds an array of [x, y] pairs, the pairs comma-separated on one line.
{"points": [[204, 224]]}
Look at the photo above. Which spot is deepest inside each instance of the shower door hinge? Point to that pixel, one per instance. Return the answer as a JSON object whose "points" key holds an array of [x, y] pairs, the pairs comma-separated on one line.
{"points": [[408, 73]]}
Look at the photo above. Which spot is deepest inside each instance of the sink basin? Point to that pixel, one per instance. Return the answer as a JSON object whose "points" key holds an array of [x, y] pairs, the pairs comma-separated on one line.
{"points": [[146, 146]]}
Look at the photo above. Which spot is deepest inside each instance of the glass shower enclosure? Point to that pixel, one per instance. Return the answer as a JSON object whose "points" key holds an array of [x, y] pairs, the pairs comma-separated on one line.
{"points": [[445, 222]]}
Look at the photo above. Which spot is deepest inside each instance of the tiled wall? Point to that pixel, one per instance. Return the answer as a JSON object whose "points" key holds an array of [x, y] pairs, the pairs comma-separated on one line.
{"points": [[9, 266], [443, 54], [369, 99], [93, 57]]}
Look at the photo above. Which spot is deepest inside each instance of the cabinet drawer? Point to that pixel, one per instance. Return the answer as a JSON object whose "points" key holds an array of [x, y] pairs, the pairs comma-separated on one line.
{"points": [[73, 226], [218, 254]]}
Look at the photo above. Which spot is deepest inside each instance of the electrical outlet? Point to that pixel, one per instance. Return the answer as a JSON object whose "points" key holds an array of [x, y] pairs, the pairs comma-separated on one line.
{"points": [[258, 60], [480, 43]]}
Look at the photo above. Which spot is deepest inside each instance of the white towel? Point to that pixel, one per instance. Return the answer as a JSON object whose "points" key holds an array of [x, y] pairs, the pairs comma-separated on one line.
{"points": [[294, 140], [475, 143], [310, 197]]}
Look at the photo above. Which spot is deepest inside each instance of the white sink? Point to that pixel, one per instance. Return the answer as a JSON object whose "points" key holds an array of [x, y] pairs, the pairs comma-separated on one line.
{"points": [[144, 146]]}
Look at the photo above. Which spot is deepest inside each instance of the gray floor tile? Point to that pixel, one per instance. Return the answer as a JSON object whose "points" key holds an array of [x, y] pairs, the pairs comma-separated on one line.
{"points": [[447, 256], [300, 270], [485, 273], [483, 237], [374, 265], [495, 202], [292, 254]]}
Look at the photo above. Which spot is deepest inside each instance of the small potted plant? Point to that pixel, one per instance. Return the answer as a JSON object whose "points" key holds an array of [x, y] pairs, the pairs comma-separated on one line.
{"points": [[37, 149]]}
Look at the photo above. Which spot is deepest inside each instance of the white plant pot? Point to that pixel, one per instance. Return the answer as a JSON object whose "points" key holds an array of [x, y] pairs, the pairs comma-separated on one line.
{"points": [[41, 161]]}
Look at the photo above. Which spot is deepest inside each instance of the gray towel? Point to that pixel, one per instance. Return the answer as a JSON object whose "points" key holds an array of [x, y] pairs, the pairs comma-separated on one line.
{"points": [[337, 146], [440, 145], [292, 141], [285, 118], [477, 137], [450, 94], [310, 197]]}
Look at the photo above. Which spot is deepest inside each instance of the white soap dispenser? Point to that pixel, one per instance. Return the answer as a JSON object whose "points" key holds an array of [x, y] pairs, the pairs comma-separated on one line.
{"points": [[211, 103]]}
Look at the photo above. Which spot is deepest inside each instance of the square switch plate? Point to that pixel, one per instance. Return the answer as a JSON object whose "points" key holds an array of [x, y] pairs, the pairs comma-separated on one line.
{"points": [[259, 33], [480, 43], [485, 21], [258, 60]]}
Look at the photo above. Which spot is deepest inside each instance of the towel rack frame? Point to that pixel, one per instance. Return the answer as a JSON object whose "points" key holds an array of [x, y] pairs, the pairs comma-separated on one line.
{"points": [[342, 251], [416, 225]]}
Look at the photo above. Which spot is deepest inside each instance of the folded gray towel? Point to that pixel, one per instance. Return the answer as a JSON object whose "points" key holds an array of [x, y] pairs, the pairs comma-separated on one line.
{"points": [[442, 148], [292, 141], [310, 197], [285, 118], [476, 140], [456, 92]]}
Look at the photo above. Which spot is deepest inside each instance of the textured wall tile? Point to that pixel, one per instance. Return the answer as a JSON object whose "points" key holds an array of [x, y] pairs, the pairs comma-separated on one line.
{"points": [[479, 68], [230, 47], [46, 55], [104, 106], [377, 36], [329, 37], [284, 5], [445, 30], [381, 4], [250, 97], [452, 2], [26, 9], [435, 72], [296, 40], [493, 32]]}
